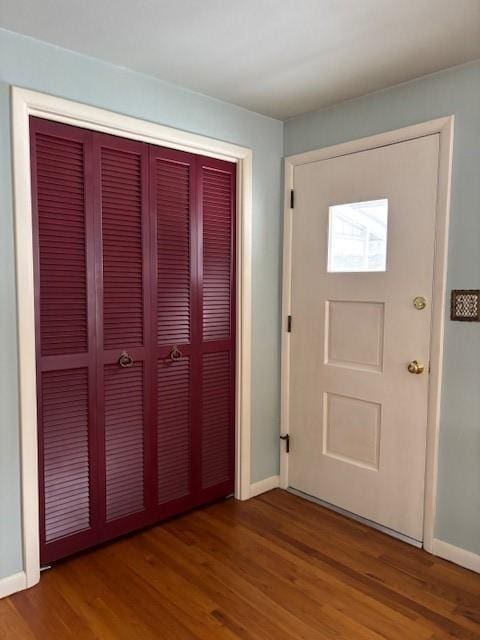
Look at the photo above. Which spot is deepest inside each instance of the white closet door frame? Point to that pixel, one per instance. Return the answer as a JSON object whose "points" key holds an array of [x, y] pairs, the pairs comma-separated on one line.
{"points": [[24, 104]]}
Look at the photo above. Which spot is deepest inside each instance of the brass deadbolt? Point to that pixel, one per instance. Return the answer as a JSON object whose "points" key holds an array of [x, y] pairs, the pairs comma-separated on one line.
{"points": [[419, 303]]}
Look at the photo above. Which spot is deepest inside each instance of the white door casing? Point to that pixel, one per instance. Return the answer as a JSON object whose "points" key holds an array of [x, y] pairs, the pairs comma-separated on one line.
{"points": [[358, 420]]}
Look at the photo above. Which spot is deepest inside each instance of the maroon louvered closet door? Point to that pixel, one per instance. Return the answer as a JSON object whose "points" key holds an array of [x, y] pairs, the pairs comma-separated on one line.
{"points": [[135, 314]]}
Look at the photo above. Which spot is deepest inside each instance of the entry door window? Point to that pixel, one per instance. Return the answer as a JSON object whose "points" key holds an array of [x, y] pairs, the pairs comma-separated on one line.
{"points": [[357, 236]]}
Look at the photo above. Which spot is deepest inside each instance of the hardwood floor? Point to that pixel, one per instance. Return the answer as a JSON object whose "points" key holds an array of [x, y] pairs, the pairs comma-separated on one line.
{"points": [[275, 567]]}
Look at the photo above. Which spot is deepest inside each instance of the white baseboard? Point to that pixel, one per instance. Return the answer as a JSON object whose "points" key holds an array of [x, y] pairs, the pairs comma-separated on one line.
{"points": [[264, 485], [12, 584], [460, 556]]}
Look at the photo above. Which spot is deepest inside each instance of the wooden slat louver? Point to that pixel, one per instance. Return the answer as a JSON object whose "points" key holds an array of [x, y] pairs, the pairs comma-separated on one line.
{"points": [[172, 208], [174, 438], [216, 419], [124, 440], [122, 248], [217, 253], [65, 452], [61, 231]]}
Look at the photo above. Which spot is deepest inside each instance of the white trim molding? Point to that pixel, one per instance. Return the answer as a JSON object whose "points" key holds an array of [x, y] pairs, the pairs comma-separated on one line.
{"points": [[460, 556], [264, 485], [26, 103], [444, 128], [12, 584]]}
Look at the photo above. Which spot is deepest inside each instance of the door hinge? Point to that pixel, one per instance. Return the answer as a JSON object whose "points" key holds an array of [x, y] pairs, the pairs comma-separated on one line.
{"points": [[292, 198], [289, 324], [287, 442]]}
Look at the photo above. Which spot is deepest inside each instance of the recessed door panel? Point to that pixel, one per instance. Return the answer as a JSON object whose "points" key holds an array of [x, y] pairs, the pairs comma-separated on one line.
{"points": [[351, 430], [354, 334]]}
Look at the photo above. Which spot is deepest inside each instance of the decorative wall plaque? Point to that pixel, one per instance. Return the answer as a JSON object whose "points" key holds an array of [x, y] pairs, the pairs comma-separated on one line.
{"points": [[465, 305]]}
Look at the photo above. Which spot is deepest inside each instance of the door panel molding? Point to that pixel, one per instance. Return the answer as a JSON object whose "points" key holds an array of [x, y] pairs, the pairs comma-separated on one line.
{"points": [[26, 103], [444, 127]]}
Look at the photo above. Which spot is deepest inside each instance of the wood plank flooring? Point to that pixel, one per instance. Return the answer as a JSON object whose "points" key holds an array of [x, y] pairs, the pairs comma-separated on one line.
{"points": [[275, 567]]}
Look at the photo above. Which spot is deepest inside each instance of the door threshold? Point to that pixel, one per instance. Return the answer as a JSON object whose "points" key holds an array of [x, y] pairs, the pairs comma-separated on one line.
{"points": [[353, 516]]}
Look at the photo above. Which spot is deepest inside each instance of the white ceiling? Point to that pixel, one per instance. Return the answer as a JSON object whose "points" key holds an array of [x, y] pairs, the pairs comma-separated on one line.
{"points": [[277, 57]]}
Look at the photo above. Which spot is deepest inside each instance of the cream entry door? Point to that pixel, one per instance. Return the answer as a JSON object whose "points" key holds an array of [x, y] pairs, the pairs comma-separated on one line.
{"points": [[363, 240]]}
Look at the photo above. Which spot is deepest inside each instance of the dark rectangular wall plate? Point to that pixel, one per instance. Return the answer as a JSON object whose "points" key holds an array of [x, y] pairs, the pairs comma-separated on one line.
{"points": [[465, 305]]}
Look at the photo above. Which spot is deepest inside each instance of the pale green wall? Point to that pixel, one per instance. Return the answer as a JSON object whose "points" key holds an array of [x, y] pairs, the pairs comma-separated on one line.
{"points": [[455, 91], [29, 63]]}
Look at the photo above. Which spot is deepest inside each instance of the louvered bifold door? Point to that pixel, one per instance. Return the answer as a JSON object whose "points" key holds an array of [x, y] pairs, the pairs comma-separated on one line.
{"points": [[124, 333], [135, 326], [66, 349], [176, 310], [216, 264]]}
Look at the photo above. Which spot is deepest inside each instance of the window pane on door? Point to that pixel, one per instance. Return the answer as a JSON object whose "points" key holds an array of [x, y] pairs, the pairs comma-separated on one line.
{"points": [[357, 236]]}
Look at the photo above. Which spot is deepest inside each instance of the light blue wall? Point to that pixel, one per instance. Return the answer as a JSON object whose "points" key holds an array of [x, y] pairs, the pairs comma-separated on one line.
{"points": [[29, 63], [455, 91], [35, 65]]}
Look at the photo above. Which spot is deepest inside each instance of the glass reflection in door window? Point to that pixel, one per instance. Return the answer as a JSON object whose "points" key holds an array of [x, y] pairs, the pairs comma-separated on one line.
{"points": [[357, 236]]}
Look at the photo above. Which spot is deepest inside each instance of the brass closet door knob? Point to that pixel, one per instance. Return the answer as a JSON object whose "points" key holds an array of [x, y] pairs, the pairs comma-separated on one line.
{"points": [[125, 360], [175, 353], [416, 367]]}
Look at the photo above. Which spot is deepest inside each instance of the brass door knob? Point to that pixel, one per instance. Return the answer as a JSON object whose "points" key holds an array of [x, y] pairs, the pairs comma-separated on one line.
{"points": [[416, 367]]}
